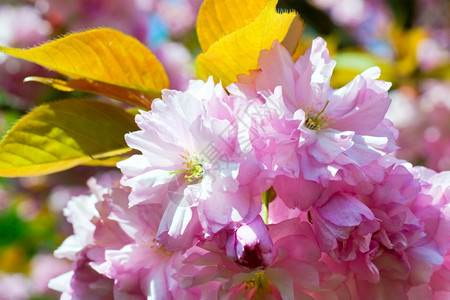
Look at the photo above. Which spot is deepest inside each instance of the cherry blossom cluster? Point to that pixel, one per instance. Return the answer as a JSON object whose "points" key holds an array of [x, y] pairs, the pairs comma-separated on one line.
{"points": [[279, 187]]}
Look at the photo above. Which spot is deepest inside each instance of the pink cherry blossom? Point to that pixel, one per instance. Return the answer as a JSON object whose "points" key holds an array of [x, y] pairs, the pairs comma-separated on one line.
{"points": [[79, 247], [191, 164], [115, 251], [43, 268], [311, 132], [292, 273], [438, 287], [15, 286], [389, 241], [250, 245]]}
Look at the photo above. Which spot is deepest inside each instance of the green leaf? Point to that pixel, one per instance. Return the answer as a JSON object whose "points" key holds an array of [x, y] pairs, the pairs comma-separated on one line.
{"points": [[350, 64], [60, 135], [102, 61], [9, 117]]}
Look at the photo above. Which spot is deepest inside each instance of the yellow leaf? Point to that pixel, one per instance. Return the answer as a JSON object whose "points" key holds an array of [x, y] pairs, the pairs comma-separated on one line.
{"points": [[105, 59], [220, 18], [56, 83], [107, 162], [238, 52], [111, 159], [60, 135]]}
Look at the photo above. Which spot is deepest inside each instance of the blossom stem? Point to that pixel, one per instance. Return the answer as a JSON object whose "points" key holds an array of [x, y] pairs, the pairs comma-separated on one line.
{"points": [[265, 207]]}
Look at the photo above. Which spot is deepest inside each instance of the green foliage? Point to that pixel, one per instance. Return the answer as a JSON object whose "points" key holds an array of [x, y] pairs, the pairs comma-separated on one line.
{"points": [[13, 227], [60, 135]]}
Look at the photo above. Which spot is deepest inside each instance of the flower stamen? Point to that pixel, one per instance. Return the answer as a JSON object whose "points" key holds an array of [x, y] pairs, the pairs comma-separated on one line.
{"points": [[260, 283], [318, 121], [194, 168]]}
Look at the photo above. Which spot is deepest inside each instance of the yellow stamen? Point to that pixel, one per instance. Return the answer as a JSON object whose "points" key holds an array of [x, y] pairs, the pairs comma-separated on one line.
{"points": [[194, 168], [260, 283], [318, 121], [160, 249]]}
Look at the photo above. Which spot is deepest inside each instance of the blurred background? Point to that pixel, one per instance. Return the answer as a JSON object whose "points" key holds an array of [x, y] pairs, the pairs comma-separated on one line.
{"points": [[408, 39]]}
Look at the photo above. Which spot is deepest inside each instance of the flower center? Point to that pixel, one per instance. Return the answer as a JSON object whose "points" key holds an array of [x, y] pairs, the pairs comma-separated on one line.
{"points": [[316, 121], [260, 283], [252, 258], [193, 168], [161, 249]]}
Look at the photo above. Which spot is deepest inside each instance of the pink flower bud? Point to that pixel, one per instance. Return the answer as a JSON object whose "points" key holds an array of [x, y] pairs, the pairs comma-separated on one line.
{"points": [[250, 246]]}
